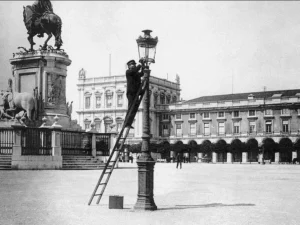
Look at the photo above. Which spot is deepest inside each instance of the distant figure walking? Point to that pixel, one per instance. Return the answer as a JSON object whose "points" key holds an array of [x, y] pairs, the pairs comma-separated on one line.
{"points": [[179, 160]]}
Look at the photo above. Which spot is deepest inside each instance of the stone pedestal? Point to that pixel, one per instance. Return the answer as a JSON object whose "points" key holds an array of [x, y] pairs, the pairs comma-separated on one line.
{"points": [[277, 157], [199, 155], [244, 157], [172, 154], [294, 155], [43, 74], [229, 157], [260, 158], [214, 157]]}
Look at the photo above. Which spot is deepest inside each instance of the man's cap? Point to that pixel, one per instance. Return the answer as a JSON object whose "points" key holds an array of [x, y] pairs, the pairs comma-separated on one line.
{"points": [[131, 62]]}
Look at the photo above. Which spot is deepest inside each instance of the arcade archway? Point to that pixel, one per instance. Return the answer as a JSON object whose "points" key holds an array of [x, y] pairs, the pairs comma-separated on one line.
{"points": [[268, 149], [236, 149], [253, 151], [285, 150], [221, 149]]}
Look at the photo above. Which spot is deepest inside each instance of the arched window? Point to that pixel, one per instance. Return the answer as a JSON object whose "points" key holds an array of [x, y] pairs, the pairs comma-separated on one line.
{"points": [[87, 100], [98, 99], [162, 98], [109, 98], [174, 99], [107, 123], [97, 124]]}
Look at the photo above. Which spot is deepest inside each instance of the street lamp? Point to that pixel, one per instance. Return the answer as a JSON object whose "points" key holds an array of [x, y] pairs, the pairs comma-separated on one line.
{"points": [[147, 47], [145, 201]]}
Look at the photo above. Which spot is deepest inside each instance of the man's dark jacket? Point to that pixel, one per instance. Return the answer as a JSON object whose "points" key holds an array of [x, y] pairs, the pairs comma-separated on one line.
{"points": [[133, 77]]}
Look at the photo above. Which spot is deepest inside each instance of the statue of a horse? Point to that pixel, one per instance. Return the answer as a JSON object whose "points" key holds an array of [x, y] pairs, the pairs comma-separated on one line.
{"points": [[20, 101], [48, 23]]}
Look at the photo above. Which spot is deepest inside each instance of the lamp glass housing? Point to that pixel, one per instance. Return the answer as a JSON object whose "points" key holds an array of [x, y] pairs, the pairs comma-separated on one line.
{"points": [[147, 47]]}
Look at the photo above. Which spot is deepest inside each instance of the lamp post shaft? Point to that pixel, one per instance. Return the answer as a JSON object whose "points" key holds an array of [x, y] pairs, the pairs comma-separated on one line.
{"points": [[145, 162]]}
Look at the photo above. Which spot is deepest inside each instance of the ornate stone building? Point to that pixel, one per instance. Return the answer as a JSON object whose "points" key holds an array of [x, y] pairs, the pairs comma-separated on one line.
{"points": [[237, 127], [102, 100]]}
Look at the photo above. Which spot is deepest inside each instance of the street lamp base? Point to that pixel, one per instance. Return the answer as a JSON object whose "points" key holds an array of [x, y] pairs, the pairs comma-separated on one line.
{"points": [[145, 199]]}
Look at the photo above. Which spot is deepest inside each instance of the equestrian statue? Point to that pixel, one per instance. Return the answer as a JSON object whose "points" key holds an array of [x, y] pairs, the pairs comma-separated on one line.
{"points": [[39, 19]]}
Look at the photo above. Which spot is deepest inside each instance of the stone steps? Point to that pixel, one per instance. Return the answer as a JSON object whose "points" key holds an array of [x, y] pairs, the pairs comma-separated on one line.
{"points": [[5, 162], [82, 163]]}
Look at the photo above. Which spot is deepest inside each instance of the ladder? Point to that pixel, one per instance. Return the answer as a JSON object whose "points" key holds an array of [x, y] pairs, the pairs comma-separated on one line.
{"points": [[119, 145]]}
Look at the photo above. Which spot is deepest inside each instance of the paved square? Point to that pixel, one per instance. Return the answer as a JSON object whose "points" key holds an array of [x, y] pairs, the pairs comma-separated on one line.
{"points": [[196, 194]]}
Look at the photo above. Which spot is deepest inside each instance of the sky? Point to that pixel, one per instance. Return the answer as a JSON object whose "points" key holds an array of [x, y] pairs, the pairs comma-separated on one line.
{"points": [[216, 47]]}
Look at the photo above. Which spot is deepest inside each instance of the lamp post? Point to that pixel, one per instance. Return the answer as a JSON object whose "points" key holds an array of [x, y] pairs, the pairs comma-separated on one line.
{"points": [[147, 48]]}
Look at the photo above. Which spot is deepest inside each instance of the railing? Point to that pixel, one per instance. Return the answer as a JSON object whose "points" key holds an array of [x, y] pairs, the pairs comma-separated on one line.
{"points": [[6, 140], [76, 143], [36, 141], [102, 144]]}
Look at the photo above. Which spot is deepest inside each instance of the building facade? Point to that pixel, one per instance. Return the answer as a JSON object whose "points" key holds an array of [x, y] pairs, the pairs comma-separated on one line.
{"points": [[103, 101], [237, 127]]}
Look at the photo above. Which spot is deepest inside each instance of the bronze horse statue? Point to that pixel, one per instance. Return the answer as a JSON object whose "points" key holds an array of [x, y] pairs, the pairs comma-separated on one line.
{"points": [[48, 23]]}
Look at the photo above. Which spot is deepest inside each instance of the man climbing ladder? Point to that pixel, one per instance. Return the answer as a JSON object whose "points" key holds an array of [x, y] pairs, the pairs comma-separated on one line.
{"points": [[133, 77], [118, 147]]}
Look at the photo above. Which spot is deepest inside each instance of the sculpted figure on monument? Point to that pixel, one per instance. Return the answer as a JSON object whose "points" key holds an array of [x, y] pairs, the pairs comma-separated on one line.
{"points": [[15, 102], [3, 107], [39, 19], [69, 108]]}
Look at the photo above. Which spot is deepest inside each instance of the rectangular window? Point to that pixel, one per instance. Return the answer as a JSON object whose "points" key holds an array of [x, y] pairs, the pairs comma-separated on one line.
{"points": [[108, 101], [97, 125], [221, 128], [221, 114], [165, 116], [87, 126], [236, 114], [285, 112], [178, 130], [87, 102], [192, 115], [107, 127], [206, 129], [165, 130], [162, 99], [178, 116], [120, 100], [98, 102], [119, 126], [206, 115], [251, 112], [268, 126], [236, 127], [192, 128], [252, 127], [268, 112], [285, 126], [168, 100]]}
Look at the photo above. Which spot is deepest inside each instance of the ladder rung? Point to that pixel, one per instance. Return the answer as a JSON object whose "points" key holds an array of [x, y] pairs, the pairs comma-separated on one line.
{"points": [[97, 194], [103, 183]]}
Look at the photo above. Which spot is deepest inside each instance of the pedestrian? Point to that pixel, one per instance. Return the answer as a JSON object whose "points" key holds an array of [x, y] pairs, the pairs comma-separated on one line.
{"points": [[179, 160], [133, 77]]}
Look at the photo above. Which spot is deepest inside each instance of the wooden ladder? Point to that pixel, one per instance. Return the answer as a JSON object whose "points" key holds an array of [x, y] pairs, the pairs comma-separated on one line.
{"points": [[119, 145]]}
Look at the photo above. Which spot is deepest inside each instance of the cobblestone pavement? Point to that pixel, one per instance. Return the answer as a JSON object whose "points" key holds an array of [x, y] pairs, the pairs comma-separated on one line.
{"points": [[196, 194]]}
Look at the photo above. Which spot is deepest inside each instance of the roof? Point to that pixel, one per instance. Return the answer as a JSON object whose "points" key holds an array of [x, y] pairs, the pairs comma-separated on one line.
{"points": [[244, 96]]}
